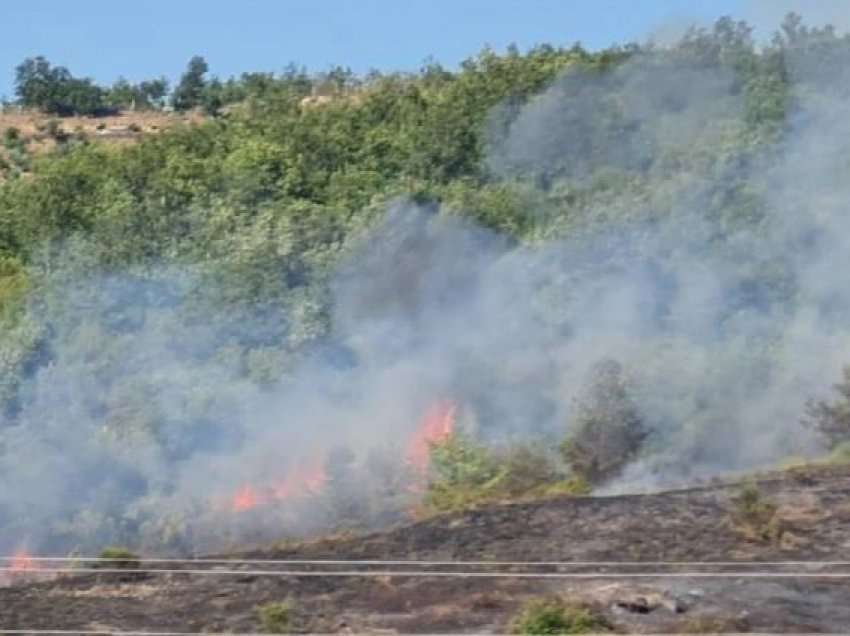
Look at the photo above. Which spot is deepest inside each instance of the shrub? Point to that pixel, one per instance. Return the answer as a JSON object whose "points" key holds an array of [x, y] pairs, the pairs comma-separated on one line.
{"points": [[525, 470], [462, 473], [840, 454], [119, 558], [54, 130], [553, 616], [609, 431], [831, 420], [275, 618], [755, 514], [11, 137]]}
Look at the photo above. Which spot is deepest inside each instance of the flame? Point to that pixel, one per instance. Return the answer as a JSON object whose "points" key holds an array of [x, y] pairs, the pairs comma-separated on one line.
{"points": [[22, 568], [246, 498], [22, 561], [303, 479], [434, 427]]}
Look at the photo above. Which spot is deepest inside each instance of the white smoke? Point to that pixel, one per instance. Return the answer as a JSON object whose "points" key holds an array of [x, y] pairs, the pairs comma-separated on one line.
{"points": [[726, 321]]}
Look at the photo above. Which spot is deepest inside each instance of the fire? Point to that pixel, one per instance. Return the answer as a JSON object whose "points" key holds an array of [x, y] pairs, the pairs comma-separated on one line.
{"points": [[303, 479], [307, 477], [22, 562], [22, 568], [434, 427], [246, 498]]}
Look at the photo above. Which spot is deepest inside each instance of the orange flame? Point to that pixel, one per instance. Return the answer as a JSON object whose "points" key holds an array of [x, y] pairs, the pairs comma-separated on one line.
{"points": [[22, 568], [246, 498], [22, 561], [435, 426], [303, 479]]}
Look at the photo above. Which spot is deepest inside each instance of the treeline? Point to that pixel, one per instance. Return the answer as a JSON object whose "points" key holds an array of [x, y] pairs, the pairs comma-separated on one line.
{"points": [[53, 89]]}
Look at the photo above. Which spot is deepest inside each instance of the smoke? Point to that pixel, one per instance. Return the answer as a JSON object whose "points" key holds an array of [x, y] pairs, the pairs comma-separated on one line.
{"points": [[713, 272], [766, 14]]}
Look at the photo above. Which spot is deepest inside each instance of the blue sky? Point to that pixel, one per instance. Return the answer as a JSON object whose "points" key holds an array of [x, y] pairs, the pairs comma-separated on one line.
{"points": [[104, 38]]}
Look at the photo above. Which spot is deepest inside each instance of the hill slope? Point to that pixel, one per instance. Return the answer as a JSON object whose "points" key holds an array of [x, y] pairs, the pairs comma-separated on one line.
{"points": [[705, 524]]}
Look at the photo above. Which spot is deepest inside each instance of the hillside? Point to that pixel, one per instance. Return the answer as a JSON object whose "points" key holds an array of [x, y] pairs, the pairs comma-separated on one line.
{"points": [[690, 526], [37, 134], [550, 271]]}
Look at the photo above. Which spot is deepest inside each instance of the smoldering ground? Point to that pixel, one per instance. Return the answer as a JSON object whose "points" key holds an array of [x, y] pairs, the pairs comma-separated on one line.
{"points": [[715, 278]]}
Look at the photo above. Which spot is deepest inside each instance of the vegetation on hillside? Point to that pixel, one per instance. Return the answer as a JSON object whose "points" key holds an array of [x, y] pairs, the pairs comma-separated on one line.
{"points": [[153, 295]]}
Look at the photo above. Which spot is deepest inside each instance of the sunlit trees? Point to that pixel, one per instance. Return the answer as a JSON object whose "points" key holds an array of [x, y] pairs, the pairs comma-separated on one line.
{"points": [[53, 90], [189, 92]]}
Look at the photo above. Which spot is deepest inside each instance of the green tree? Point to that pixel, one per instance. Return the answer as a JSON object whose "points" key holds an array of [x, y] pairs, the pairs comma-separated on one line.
{"points": [[53, 90], [608, 430], [189, 92], [831, 419], [40, 85]]}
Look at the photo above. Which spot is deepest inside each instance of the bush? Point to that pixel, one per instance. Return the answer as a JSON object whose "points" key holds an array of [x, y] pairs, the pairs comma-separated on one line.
{"points": [[609, 431], [120, 558], [464, 474], [755, 514], [275, 618], [11, 137], [54, 130], [553, 616], [831, 420]]}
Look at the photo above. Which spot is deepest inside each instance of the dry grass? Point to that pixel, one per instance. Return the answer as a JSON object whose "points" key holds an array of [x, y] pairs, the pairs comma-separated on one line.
{"points": [[113, 129]]}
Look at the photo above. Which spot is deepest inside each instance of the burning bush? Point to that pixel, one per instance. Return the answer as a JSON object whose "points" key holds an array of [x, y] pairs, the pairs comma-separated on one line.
{"points": [[609, 431]]}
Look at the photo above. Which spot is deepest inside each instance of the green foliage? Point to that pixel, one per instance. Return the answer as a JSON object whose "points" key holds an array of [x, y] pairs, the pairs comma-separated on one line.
{"points": [[275, 618], [118, 558], [756, 515], [464, 474], [257, 207], [189, 92], [553, 616], [145, 95], [608, 431], [53, 90], [840, 454], [831, 419]]}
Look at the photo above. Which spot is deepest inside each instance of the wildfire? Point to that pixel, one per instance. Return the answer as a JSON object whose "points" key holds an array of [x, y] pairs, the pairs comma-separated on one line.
{"points": [[303, 479], [246, 498], [434, 427], [21, 566], [22, 561], [308, 477]]}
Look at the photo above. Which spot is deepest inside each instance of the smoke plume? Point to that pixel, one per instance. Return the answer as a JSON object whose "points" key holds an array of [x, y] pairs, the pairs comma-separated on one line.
{"points": [[725, 321]]}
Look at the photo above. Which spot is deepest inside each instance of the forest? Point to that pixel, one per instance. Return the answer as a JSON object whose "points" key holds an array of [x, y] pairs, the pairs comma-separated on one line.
{"points": [[554, 270]]}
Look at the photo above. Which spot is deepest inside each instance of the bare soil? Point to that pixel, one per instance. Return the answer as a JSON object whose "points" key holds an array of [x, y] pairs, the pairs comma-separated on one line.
{"points": [[121, 128]]}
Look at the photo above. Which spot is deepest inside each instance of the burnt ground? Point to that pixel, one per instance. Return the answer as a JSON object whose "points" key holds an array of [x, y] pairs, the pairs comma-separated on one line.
{"points": [[811, 523]]}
